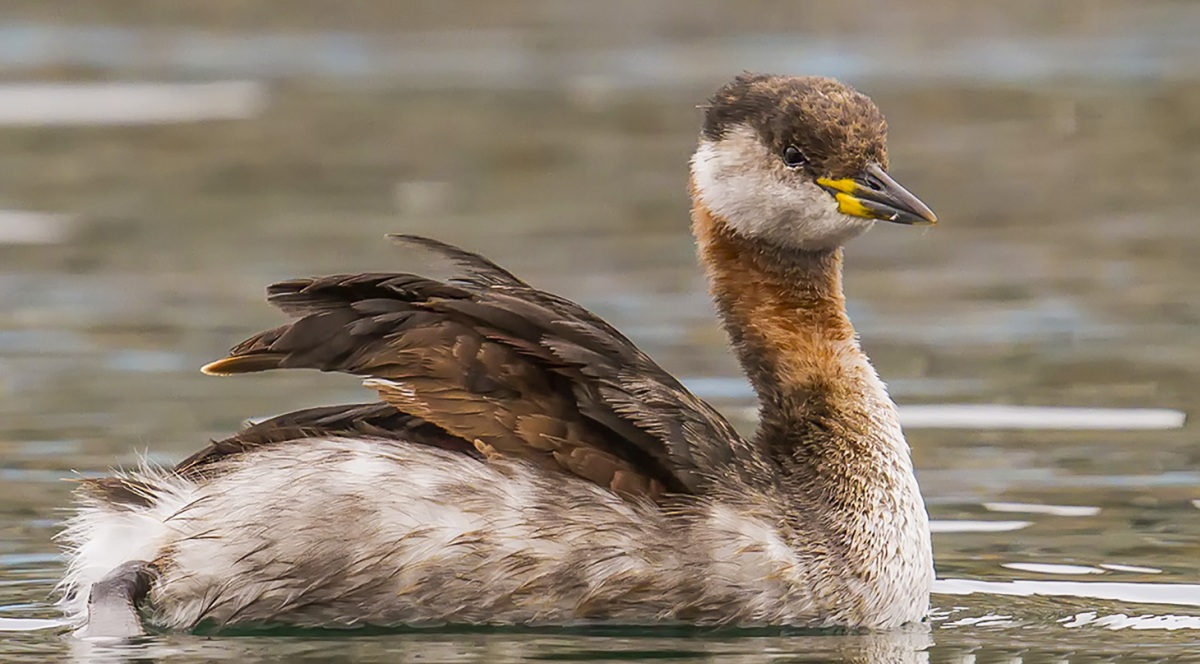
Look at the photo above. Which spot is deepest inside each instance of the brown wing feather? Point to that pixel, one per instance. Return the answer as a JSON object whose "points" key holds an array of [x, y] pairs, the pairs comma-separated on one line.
{"points": [[514, 371]]}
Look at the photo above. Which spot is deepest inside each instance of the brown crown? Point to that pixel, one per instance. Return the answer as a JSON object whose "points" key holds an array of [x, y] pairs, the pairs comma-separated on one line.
{"points": [[839, 129]]}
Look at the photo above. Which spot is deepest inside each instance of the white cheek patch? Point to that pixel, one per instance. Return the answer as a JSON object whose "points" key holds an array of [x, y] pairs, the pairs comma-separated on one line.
{"points": [[735, 178]]}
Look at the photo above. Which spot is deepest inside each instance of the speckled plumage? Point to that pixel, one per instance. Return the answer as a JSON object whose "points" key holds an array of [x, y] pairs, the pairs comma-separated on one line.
{"points": [[385, 532], [528, 464]]}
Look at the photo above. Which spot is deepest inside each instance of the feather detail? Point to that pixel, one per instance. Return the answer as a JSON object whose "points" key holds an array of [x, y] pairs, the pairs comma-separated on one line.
{"points": [[496, 363]]}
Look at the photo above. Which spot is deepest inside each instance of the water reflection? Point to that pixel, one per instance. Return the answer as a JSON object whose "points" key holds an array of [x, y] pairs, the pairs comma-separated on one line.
{"points": [[1054, 510], [511, 59], [1052, 568], [969, 526], [1055, 140], [1132, 569], [991, 416], [892, 648], [51, 104], [24, 227], [27, 624], [1121, 621], [1178, 594]]}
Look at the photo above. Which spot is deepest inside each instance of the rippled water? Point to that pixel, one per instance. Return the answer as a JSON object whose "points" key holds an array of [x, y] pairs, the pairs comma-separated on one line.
{"points": [[1059, 143]]}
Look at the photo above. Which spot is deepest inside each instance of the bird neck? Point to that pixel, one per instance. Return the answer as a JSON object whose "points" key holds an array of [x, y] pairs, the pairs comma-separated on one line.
{"points": [[784, 310], [826, 425]]}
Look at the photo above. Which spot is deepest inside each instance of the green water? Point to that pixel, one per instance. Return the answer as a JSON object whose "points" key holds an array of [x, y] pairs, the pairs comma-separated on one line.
{"points": [[1059, 143]]}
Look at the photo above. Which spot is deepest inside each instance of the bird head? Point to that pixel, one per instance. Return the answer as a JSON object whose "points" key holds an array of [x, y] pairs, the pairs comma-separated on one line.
{"points": [[798, 162]]}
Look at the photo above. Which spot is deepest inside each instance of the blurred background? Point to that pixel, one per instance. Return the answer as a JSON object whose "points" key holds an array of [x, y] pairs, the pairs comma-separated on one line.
{"points": [[161, 162]]}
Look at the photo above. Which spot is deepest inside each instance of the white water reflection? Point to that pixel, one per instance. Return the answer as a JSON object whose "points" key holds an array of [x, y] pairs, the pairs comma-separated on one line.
{"points": [[28, 624], [1121, 621], [999, 416], [996, 416], [1179, 594], [1132, 569], [515, 59], [46, 104], [1054, 510], [971, 526], [1052, 568], [25, 227]]}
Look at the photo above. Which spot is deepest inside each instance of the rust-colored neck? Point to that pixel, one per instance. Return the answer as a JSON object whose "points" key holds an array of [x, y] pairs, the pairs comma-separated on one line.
{"points": [[785, 313], [825, 420]]}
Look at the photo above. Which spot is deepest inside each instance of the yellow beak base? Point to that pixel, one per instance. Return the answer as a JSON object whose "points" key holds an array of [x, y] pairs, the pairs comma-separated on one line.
{"points": [[875, 195]]}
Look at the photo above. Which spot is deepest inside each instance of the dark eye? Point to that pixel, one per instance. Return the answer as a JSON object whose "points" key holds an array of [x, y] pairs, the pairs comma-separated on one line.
{"points": [[793, 157]]}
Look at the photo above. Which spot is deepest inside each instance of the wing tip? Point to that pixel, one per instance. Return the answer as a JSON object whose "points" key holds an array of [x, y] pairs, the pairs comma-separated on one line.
{"points": [[214, 368], [240, 364], [445, 249], [411, 238]]}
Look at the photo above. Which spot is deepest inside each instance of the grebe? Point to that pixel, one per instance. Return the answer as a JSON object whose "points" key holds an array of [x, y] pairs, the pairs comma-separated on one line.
{"points": [[528, 464]]}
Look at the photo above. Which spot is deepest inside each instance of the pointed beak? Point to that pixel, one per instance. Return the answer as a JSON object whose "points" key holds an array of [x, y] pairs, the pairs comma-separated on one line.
{"points": [[875, 195]]}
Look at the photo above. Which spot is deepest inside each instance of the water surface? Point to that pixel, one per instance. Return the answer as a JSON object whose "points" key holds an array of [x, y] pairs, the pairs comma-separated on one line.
{"points": [[1057, 141]]}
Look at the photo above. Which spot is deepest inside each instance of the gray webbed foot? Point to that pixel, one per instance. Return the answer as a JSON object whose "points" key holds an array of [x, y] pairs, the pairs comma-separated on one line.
{"points": [[113, 602]]}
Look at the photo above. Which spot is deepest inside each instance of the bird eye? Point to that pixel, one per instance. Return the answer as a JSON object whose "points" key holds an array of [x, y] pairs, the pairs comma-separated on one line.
{"points": [[793, 157]]}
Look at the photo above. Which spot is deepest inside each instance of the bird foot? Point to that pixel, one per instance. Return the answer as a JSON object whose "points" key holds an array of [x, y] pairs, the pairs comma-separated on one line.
{"points": [[113, 601]]}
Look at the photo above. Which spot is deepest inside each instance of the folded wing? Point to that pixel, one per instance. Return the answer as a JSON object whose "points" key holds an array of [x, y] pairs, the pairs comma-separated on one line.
{"points": [[505, 369]]}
